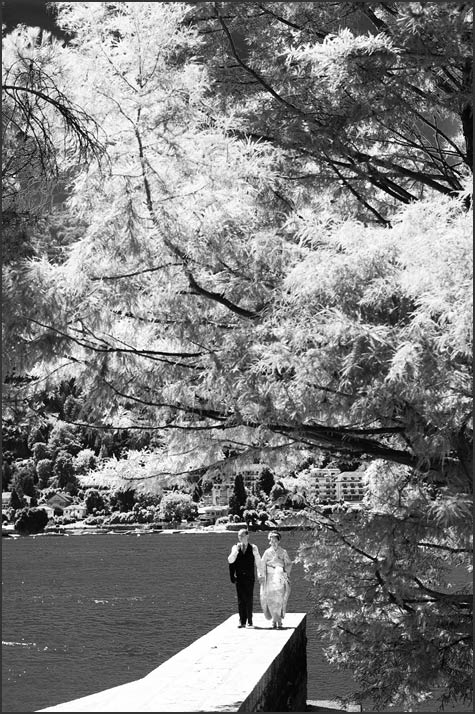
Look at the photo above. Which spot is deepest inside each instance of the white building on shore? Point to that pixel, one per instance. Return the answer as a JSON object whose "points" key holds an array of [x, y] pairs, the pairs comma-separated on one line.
{"points": [[333, 485], [350, 486], [221, 492], [209, 514], [325, 484], [322, 484]]}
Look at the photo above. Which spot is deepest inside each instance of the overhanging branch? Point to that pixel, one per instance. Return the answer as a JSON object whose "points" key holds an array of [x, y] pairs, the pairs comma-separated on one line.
{"points": [[221, 299]]}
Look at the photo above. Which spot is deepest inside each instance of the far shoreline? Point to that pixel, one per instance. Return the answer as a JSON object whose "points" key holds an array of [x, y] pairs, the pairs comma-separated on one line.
{"points": [[79, 528]]}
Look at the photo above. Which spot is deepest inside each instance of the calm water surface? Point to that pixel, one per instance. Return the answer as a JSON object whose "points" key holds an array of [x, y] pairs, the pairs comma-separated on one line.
{"points": [[83, 613]]}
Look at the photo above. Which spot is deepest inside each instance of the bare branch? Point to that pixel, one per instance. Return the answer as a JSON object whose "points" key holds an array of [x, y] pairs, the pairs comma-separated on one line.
{"points": [[295, 110], [135, 273], [217, 297]]}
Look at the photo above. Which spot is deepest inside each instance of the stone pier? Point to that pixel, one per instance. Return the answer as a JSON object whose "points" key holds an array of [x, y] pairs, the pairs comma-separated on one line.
{"points": [[227, 670]]}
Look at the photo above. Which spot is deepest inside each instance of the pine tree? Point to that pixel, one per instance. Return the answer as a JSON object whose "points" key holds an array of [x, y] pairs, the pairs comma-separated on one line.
{"points": [[277, 255], [238, 497], [403, 592], [370, 100], [265, 481]]}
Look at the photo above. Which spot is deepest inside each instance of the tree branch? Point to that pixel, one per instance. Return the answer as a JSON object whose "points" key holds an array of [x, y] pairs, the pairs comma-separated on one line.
{"points": [[217, 297], [74, 117], [256, 75], [445, 547], [360, 198], [107, 349], [284, 21], [135, 273]]}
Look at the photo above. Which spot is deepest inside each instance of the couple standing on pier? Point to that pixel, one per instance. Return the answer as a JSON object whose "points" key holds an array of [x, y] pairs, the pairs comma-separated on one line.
{"points": [[273, 571]]}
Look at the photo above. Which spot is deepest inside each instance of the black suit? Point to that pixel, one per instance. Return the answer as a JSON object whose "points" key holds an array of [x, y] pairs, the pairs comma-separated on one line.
{"points": [[242, 573]]}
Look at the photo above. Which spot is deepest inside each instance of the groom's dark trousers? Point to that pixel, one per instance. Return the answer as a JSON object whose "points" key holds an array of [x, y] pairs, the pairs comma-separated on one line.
{"points": [[242, 573]]}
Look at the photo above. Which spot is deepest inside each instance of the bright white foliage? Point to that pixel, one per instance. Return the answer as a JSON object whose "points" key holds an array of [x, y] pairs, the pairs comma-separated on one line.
{"points": [[189, 301]]}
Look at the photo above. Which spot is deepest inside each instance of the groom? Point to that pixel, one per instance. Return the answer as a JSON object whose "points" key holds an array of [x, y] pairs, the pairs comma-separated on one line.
{"points": [[243, 560]]}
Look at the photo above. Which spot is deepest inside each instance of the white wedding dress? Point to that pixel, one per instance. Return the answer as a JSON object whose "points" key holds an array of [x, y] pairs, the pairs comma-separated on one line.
{"points": [[275, 585]]}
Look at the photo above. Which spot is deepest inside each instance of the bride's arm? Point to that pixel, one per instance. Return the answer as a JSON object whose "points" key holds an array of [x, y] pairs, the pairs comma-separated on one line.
{"points": [[261, 567], [257, 560], [287, 563]]}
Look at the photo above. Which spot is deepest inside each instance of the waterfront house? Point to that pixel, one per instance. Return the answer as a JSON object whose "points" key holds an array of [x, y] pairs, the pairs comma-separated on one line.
{"points": [[49, 510], [207, 515], [7, 500], [59, 501], [75, 510]]}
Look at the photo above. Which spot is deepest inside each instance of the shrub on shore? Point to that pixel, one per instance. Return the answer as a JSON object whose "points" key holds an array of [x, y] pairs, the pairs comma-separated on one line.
{"points": [[31, 520]]}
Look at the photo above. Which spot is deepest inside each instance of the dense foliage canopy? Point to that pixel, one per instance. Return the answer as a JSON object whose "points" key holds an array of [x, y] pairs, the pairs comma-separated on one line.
{"points": [[258, 236]]}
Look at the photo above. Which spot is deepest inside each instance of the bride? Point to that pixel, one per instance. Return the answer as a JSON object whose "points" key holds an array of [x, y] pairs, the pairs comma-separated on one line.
{"points": [[274, 571]]}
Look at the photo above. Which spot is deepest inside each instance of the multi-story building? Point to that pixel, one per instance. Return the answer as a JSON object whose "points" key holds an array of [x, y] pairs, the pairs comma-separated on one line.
{"points": [[250, 476], [328, 485], [322, 484], [221, 492], [332, 485], [350, 486]]}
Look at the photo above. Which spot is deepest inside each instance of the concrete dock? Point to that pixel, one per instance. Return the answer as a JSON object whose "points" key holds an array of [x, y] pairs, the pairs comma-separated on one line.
{"points": [[227, 670]]}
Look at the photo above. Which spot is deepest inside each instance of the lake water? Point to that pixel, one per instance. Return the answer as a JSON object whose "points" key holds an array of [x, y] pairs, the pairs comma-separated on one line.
{"points": [[83, 613]]}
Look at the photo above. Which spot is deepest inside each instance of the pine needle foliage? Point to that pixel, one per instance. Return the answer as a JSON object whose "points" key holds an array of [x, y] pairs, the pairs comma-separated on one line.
{"points": [[272, 259]]}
